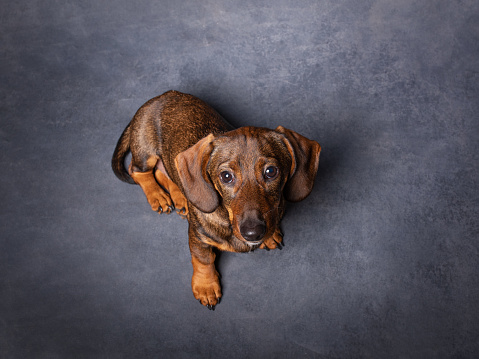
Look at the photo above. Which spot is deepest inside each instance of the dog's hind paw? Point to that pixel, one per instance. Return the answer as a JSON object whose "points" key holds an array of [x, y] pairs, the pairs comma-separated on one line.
{"points": [[183, 212], [160, 202], [181, 203]]}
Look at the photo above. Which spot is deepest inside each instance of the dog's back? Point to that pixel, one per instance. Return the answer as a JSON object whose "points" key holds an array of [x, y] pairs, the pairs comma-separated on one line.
{"points": [[183, 120], [165, 126]]}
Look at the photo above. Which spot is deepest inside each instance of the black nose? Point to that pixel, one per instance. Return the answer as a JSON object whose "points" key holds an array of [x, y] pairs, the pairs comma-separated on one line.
{"points": [[252, 230]]}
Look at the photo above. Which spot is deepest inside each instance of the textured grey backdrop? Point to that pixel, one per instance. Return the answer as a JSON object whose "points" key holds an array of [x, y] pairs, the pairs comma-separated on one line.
{"points": [[381, 261]]}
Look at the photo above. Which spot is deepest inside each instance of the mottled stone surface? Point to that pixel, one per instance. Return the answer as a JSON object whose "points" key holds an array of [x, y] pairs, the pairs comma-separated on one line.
{"points": [[381, 261]]}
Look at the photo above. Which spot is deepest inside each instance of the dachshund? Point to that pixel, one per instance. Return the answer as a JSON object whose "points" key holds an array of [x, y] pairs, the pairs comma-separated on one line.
{"points": [[231, 184]]}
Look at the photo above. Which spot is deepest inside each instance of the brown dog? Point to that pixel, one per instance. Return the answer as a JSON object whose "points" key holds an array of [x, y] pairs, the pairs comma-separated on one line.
{"points": [[229, 183]]}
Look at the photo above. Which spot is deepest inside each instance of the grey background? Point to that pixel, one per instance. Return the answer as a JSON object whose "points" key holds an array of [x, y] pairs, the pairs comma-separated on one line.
{"points": [[381, 260]]}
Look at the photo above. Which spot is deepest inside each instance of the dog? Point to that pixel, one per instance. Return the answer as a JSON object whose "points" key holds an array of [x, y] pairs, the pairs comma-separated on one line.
{"points": [[231, 184]]}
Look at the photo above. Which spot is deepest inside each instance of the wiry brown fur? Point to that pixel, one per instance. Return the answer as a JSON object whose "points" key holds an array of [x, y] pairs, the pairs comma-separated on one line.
{"points": [[180, 150]]}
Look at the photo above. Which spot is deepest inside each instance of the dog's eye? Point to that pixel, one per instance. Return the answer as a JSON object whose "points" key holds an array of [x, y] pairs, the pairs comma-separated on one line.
{"points": [[227, 177], [271, 173]]}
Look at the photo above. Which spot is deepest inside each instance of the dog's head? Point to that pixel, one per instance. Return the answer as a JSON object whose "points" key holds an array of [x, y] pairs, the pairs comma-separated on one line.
{"points": [[249, 171]]}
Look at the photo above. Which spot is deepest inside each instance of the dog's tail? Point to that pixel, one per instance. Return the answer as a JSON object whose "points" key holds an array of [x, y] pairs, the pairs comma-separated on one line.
{"points": [[118, 160]]}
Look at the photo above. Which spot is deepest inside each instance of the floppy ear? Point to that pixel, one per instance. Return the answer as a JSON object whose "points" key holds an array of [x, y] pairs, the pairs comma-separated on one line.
{"points": [[191, 166], [305, 162]]}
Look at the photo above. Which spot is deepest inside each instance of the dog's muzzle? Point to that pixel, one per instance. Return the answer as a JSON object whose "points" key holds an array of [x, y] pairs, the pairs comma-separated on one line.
{"points": [[253, 230]]}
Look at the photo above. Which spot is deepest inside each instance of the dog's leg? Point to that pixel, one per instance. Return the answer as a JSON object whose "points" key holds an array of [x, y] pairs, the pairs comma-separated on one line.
{"points": [[275, 241], [157, 197], [205, 282], [177, 197]]}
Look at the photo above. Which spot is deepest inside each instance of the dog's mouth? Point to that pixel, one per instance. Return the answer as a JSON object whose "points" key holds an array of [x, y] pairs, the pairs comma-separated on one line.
{"points": [[254, 243]]}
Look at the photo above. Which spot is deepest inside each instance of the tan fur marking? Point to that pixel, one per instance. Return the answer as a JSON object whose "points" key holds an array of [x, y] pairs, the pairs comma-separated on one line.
{"points": [[179, 200], [205, 282], [156, 196], [273, 241]]}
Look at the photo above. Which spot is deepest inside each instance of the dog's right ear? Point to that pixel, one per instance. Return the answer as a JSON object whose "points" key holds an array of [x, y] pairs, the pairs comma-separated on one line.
{"points": [[191, 166]]}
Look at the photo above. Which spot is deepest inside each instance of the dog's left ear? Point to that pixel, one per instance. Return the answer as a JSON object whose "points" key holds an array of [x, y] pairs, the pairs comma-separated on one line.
{"points": [[191, 166], [305, 162]]}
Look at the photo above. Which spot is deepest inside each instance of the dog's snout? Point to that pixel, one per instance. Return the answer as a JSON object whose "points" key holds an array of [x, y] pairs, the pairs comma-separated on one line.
{"points": [[253, 230]]}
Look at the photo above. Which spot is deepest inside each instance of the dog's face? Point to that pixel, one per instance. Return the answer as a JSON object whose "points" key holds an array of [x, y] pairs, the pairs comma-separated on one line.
{"points": [[248, 171], [249, 168]]}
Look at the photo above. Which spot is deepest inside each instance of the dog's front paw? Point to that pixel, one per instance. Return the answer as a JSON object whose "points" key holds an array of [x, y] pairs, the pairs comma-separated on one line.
{"points": [[275, 241], [207, 289]]}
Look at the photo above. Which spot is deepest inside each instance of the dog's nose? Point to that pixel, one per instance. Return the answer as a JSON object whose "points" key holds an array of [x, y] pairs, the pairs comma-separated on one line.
{"points": [[252, 230]]}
